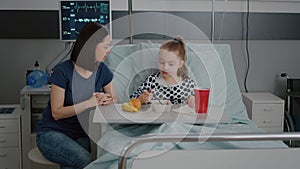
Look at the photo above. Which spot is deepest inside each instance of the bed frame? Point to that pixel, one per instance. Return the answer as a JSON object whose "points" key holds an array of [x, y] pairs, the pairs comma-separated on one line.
{"points": [[271, 158]]}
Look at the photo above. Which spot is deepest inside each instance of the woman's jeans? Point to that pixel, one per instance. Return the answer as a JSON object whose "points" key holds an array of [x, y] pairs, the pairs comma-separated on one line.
{"points": [[61, 149]]}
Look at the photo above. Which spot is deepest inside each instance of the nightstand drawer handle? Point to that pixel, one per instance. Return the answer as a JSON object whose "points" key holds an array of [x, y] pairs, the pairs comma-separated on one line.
{"points": [[268, 109], [1, 141], [268, 122], [2, 127], [3, 155], [40, 101]]}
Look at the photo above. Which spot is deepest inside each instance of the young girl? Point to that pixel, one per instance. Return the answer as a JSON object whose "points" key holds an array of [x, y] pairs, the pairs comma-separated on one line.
{"points": [[172, 81]]}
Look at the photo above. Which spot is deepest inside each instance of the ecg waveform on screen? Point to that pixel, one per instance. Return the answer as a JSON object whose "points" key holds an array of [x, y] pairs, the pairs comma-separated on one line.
{"points": [[96, 7], [100, 20], [69, 33], [86, 7]]}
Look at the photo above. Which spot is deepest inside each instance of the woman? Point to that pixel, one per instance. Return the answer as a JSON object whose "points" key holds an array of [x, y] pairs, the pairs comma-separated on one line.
{"points": [[77, 86]]}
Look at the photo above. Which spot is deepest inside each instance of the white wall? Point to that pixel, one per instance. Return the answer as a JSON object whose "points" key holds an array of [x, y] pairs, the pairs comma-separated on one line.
{"points": [[292, 6], [16, 57], [268, 58], [29, 4]]}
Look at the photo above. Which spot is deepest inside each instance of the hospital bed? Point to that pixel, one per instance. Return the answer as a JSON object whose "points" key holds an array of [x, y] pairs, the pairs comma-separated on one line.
{"points": [[216, 158], [211, 66]]}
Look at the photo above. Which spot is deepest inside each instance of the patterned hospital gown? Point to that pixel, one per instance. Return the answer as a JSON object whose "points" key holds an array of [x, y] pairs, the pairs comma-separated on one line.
{"points": [[177, 93]]}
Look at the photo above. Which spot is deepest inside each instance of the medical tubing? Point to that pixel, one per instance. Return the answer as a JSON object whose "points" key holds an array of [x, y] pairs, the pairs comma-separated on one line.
{"points": [[202, 137], [212, 21], [247, 48], [130, 22]]}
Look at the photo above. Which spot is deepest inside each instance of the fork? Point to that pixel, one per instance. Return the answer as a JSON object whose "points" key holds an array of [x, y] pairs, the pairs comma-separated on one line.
{"points": [[159, 100], [156, 98]]}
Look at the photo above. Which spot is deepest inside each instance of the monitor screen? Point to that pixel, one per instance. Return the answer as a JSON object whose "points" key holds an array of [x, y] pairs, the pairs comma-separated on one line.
{"points": [[74, 14]]}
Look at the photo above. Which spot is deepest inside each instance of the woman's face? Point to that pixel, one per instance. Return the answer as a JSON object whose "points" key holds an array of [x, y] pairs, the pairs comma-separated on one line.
{"points": [[169, 63], [102, 50]]}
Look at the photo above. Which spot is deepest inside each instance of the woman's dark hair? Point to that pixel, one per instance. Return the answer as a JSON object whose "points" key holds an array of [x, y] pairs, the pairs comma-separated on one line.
{"points": [[83, 52], [177, 44]]}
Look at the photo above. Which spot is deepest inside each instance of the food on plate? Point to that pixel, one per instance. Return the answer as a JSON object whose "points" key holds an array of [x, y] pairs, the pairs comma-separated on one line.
{"points": [[161, 105], [135, 103], [127, 107]]}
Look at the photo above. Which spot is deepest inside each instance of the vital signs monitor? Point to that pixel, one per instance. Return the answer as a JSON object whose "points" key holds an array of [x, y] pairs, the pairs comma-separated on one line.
{"points": [[74, 14]]}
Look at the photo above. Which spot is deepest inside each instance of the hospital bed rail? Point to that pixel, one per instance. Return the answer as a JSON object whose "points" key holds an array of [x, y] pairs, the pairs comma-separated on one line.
{"points": [[201, 138]]}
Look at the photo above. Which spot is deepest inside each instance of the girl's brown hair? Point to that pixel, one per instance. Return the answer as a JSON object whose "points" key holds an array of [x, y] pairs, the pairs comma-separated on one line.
{"points": [[177, 44]]}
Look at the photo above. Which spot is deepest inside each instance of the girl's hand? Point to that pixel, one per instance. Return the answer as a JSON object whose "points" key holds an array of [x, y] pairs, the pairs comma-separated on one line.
{"points": [[103, 98], [146, 96], [191, 101]]}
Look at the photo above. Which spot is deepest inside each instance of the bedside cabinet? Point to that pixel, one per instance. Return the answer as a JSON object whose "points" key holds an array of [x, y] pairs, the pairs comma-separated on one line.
{"points": [[33, 101], [266, 110], [10, 137]]}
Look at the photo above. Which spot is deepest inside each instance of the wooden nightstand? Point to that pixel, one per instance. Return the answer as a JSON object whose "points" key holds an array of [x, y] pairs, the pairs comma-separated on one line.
{"points": [[266, 110]]}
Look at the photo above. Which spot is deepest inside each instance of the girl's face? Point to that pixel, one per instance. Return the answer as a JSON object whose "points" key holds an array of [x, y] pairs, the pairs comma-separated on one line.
{"points": [[169, 63], [102, 50]]}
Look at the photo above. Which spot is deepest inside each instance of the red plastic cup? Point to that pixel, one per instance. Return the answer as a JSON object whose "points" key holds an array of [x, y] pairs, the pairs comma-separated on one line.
{"points": [[201, 99]]}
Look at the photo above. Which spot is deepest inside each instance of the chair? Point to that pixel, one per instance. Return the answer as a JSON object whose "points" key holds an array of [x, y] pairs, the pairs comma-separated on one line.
{"points": [[292, 104], [36, 156]]}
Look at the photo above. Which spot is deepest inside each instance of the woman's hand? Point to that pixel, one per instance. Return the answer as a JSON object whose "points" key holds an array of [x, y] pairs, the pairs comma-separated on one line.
{"points": [[91, 102], [146, 96], [103, 98], [191, 101]]}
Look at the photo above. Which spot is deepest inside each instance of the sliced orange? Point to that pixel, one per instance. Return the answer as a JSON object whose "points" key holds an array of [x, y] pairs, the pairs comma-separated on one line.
{"points": [[127, 107], [135, 103]]}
